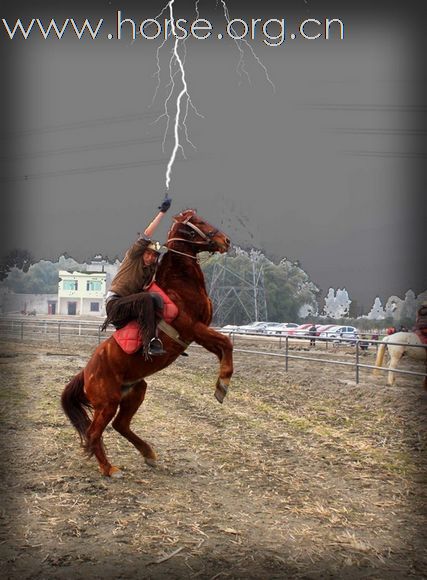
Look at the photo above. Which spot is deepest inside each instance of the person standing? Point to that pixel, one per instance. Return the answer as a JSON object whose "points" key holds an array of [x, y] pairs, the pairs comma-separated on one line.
{"points": [[312, 331]]}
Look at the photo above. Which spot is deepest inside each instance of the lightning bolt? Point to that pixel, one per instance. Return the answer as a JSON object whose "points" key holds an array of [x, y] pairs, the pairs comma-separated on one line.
{"points": [[176, 67], [241, 68], [175, 58], [183, 102]]}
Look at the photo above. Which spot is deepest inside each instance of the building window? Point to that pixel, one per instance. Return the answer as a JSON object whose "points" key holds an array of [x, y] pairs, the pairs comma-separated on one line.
{"points": [[69, 285], [94, 306], [93, 286]]}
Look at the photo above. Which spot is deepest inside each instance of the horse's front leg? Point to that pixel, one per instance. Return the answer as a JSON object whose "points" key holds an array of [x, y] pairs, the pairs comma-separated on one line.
{"points": [[221, 346]]}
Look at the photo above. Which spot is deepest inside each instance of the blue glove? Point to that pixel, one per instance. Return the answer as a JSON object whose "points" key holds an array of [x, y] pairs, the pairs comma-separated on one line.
{"points": [[166, 203]]}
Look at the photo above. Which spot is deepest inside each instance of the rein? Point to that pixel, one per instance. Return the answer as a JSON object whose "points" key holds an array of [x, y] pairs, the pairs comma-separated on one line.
{"points": [[205, 238], [182, 253]]}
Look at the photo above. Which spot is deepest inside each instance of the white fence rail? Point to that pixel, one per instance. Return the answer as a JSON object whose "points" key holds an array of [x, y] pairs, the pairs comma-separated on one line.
{"points": [[359, 345], [61, 330]]}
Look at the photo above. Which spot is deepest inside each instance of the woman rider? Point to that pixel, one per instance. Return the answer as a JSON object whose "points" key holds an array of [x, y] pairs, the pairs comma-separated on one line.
{"points": [[128, 298]]}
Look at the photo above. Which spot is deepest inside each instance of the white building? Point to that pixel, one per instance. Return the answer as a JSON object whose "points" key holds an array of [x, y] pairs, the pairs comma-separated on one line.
{"points": [[81, 293]]}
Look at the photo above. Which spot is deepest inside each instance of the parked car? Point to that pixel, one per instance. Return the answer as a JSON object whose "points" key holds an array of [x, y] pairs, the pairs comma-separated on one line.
{"points": [[337, 332], [324, 328], [230, 328], [329, 331], [280, 328], [253, 328], [302, 330], [271, 327]]}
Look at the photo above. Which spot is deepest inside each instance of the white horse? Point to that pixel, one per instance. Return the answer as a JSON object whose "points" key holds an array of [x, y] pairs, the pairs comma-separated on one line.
{"points": [[404, 346]]}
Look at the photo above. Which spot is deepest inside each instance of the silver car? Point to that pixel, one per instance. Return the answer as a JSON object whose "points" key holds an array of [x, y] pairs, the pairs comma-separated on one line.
{"points": [[338, 332]]}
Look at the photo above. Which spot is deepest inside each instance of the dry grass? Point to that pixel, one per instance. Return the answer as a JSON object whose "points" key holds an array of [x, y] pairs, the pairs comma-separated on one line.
{"points": [[300, 474]]}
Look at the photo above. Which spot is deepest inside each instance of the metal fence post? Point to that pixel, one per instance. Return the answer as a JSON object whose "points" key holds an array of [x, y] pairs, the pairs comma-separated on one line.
{"points": [[357, 361], [99, 334], [286, 352]]}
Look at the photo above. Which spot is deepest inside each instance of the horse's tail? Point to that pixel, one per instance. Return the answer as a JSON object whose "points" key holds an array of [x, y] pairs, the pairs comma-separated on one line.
{"points": [[75, 405], [380, 356]]}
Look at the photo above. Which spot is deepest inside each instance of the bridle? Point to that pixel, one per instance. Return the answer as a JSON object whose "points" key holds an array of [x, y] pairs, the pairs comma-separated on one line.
{"points": [[206, 237]]}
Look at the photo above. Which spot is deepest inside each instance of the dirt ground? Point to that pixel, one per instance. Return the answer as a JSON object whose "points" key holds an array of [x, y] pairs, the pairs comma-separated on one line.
{"points": [[300, 474]]}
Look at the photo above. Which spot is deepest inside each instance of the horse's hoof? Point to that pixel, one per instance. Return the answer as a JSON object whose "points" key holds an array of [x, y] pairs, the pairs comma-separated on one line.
{"points": [[219, 396], [221, 391], [115, 472], [150, 462]]}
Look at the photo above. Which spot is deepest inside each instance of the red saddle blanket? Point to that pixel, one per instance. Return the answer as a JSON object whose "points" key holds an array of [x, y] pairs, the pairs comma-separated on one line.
{"points": [[128, 337]]}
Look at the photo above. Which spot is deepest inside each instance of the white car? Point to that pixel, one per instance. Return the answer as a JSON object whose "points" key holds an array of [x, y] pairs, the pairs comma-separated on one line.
{"points": [[254, 328], [280, 328], [337, 332], [230, 328]]}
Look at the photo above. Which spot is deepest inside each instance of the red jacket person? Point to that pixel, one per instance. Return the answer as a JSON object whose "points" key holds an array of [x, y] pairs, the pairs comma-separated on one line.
{"points": [[128, 298]]}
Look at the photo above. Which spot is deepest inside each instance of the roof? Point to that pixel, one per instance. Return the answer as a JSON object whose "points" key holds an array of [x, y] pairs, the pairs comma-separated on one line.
{"points": [[65, 273]]}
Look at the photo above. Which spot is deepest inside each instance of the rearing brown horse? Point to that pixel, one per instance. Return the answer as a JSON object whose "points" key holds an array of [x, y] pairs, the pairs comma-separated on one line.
{"points": [[113, 380]]}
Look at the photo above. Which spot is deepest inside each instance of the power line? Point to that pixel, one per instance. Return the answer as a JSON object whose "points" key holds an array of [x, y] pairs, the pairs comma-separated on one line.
{"points": [[391, 154], [81, 148], [354, 131], [351, 107], [83, 124], [88, 170]]}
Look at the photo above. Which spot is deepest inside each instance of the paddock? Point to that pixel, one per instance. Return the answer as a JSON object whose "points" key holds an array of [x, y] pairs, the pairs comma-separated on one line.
{"points": [[301, 474]]}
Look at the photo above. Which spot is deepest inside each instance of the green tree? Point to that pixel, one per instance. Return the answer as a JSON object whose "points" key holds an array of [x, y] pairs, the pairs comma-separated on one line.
{"points": [[40, 278], [17, 258], [355, 309]]}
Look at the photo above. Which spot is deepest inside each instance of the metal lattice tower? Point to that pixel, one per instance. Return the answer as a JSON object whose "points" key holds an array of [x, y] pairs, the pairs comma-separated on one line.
{"points": [[235, 298]]}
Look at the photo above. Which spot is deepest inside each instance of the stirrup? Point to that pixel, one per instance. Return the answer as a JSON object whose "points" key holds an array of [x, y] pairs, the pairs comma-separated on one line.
{"points": [[155, 348]]}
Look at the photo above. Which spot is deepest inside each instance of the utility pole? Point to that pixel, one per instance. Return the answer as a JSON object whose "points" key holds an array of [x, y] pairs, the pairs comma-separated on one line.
{"points": [[236, 297]]}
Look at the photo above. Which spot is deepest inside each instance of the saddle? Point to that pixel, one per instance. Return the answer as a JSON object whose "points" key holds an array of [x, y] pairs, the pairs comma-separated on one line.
{"points": [[128, 337]]}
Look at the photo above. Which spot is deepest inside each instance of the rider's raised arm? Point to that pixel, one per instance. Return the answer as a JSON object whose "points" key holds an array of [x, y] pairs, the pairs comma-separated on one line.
{"points": [[152, 227], [140, 245], [163, 207]]}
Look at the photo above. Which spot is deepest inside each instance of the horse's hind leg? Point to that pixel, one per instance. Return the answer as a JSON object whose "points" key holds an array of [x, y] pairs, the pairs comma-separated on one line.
{"points": [[129, 404], [101, 417]]}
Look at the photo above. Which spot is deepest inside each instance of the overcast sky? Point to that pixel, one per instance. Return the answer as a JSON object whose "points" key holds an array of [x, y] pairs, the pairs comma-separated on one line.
{"points": [[326, 167]]}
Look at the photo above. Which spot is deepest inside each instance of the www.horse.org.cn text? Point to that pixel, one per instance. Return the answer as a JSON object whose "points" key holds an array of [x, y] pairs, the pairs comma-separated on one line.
{"points": [[273, 31]]}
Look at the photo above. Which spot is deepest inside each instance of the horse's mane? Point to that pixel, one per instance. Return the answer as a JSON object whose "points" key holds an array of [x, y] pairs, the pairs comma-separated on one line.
{"points": [[184, 212]]}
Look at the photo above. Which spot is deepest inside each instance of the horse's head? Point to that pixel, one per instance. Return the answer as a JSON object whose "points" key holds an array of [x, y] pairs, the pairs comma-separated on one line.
{"points": [[190, 229]]}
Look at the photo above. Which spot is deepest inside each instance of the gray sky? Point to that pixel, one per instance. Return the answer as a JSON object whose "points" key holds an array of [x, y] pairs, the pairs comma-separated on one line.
{"points": [[326, 169]]}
